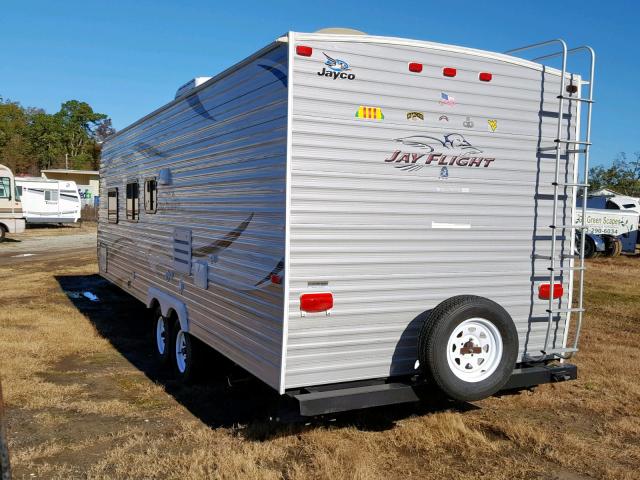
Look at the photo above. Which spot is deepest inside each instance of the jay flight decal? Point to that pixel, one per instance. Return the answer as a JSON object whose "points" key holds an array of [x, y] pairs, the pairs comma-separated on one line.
{"points": [[449, 150]]}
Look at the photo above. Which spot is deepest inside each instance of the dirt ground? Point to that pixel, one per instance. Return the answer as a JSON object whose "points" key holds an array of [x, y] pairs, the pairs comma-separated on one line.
{"points": [[85, 399]]}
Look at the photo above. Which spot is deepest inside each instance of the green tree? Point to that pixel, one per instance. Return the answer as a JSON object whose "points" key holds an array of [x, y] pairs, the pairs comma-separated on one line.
{"points": [[623, 176], [14, 149]]}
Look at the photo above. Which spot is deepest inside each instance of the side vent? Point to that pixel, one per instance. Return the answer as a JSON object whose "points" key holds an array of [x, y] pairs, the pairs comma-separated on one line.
{"points": [[182, 250]]}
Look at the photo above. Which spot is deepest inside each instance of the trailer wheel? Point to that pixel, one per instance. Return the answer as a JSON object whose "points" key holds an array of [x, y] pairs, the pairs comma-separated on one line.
{"points": [[186, 353], [3, 233], [468, 347], [161, 335]]}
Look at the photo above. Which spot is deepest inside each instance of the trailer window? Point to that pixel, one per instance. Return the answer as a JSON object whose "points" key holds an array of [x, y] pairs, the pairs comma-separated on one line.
{"points": [[150, 195], [112, 205], [18, 192], [5, 187], [132, 201], [51, 196]]}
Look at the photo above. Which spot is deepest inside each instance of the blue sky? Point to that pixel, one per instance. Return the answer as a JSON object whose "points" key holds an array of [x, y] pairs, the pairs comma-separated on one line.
{"points": [[126, 58]]}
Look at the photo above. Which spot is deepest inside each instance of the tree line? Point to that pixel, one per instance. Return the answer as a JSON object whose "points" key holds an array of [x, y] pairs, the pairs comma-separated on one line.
{"points": [[32, 139], [623, 176]]}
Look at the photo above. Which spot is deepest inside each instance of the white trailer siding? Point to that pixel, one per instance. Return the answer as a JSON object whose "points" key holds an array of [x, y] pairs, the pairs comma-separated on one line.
{"points": [[391, 243], [225, 146]]}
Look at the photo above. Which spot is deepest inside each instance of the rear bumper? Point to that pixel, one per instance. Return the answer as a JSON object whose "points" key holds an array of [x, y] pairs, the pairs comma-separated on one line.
{"points": [[357, 395]]}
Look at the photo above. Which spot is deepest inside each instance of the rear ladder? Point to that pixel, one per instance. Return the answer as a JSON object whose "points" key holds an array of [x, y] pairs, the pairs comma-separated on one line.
{"points": [[564, 147]]}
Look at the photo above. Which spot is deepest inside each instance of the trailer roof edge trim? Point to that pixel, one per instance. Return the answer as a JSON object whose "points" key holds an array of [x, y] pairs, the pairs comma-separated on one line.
{"points": [[396, 41]]}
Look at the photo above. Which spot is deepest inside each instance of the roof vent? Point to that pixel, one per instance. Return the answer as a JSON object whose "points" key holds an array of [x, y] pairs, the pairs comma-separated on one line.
{"points": [[340, 31], [190, 85]]}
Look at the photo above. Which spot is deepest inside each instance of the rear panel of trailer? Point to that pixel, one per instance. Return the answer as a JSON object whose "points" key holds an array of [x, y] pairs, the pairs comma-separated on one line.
{"points": [[391, 235]]}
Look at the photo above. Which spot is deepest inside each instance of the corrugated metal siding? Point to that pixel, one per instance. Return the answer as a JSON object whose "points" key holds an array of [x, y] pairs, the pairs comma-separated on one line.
{"points": [[226, 149], [391, 243]]}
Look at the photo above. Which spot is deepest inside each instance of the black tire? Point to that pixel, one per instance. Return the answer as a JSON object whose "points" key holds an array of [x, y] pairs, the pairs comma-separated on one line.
{"points": [[589, 248], [162, 355], [3, 233], [433, 346], [188, 371]]}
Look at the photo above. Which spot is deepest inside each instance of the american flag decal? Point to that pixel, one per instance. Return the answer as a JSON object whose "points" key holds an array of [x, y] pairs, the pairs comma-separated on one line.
{"points": [[373, 113]]}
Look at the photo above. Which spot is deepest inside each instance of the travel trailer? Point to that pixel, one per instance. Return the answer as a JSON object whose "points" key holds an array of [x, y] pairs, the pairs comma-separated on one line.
{"points": [[49, 201], [11, 216], [358, 220]]}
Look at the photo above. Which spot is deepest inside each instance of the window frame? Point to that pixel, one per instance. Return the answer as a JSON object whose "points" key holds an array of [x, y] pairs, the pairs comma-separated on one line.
{"points": [[146, 191], [8, 189], [51, 191], [112, 213], [133, 213]]}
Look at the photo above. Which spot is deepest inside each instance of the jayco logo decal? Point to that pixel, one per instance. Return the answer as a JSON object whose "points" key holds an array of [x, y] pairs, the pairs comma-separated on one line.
{"points": [[449, 150], [336, 68]]}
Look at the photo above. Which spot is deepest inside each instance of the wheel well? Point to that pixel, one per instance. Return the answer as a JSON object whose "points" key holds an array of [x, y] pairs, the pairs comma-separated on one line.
{"points": [[4, 227], [154, 305]]}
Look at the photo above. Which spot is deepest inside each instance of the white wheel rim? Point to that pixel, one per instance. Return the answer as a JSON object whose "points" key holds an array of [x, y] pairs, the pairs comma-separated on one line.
{"points": [[161, 335], [181, 351], [474, 350]]}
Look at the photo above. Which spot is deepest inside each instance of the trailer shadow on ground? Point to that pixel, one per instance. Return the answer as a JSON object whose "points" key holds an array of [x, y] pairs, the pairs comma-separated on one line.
{"points": [[226, 395]]}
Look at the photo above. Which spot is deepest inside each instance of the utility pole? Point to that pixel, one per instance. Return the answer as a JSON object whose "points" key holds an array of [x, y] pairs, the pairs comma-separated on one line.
{"points": [[66, 161], [5, 468]]}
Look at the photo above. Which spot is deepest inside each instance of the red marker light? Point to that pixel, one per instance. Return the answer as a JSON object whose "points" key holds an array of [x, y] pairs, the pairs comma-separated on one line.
{"points": [[485, 76], [276, 279], [449, 72], [304, 51], [316, 302], [415, 67], [544, 291]]}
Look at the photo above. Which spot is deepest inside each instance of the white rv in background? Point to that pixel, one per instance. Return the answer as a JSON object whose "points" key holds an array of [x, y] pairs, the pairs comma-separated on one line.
{"points": [[11, 218], [49, 201], [351, 218]]}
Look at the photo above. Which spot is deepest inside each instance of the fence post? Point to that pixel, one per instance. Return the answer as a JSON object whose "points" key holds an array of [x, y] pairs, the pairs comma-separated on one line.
{"points": [[5, 468]]}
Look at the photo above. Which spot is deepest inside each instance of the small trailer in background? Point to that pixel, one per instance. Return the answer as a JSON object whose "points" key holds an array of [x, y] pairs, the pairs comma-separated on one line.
{"points": [[352, 218], [49, 201], [11, 216]]}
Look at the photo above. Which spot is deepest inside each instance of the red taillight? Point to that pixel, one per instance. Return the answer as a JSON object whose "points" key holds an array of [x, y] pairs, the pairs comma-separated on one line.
{"points": [[276, 279], [415, 67], [544, 291], [485, 76], [449, 72], [316, 302], [304, 51]]}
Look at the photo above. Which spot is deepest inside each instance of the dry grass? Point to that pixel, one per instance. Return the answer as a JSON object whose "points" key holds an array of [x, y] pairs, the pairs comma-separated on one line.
{"points": [[82, 405]]}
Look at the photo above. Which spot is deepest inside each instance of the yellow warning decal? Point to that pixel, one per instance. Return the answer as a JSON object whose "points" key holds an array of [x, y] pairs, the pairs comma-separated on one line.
{"points": [[373, 113]]}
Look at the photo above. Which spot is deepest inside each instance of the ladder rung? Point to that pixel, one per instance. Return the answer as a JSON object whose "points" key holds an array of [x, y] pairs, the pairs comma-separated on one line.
{"points": [[567, 256], [566, 310], [579, 150], [559, 269], [576, 142], [559, 184], [563, 227], [577, 99], [553, 351]]}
